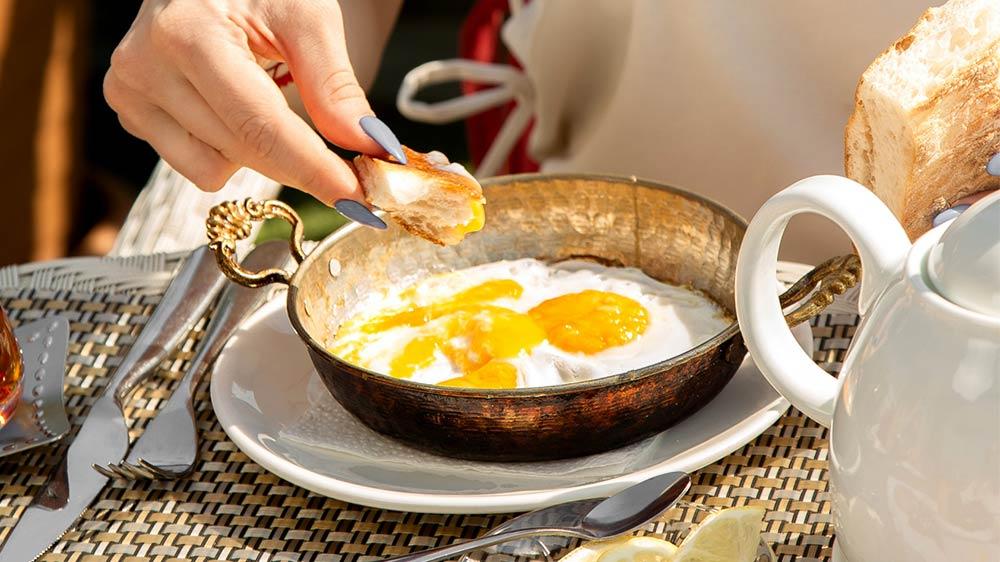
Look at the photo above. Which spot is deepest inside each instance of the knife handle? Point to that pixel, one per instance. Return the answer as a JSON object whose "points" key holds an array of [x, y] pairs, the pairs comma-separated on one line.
{"points": [[186, 300]]}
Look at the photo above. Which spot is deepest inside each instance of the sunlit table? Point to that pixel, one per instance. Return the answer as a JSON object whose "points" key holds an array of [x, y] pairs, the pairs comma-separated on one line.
{"points": [[230, 508]]}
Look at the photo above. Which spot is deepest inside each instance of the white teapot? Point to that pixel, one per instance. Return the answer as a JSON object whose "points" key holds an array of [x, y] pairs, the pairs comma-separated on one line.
{"points": [[914, 416]]}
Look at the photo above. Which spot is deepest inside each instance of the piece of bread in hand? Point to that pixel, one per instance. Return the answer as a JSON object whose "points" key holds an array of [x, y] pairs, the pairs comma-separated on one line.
{"points": [[428, 196], [927, 113]]}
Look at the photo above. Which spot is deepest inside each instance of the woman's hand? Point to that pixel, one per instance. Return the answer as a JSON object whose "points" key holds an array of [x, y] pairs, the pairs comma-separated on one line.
{"points": [[185, 79], [993, 169]]}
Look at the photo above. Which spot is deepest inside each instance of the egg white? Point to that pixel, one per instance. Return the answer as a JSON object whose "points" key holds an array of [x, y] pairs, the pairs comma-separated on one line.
{"points": [[679, 320]]}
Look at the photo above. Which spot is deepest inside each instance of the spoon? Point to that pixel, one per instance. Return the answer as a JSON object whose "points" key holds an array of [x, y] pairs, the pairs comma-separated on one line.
{"points": [[539, 548], [627, 510]]}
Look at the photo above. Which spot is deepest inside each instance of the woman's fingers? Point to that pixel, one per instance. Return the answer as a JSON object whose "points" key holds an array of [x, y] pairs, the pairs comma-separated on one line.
{"points": [[178, 98], [186, 79], [310, 37], [185, 104], [270, 136], [959, 207], [969, 200], [194, 159]]}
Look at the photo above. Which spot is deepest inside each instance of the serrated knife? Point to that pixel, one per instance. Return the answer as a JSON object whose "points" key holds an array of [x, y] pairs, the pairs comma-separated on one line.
{"points": [[103, 438]]}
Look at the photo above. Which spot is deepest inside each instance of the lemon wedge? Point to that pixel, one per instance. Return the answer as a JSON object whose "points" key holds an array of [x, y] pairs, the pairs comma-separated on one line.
{"points": [[730, 535], [628, 549], [587, 552], [638, 549]]}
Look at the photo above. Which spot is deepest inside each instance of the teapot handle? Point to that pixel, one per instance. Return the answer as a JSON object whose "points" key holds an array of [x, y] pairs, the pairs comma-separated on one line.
{"points": [[882, 245]]}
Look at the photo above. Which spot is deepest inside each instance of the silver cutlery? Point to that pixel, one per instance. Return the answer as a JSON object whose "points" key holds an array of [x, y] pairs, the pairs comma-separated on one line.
{"points": [[168, 448], [623, 512], [539, 548], [103, 438]]}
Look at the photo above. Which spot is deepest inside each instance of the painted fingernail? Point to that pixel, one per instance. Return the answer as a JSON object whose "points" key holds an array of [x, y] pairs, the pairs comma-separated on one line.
{"points": [[383, 135], [359, 213], [948, 214], [993, 166]]}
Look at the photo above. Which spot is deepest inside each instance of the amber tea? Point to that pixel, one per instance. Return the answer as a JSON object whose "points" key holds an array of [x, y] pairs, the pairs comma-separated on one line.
{"points": [[10, 370]]}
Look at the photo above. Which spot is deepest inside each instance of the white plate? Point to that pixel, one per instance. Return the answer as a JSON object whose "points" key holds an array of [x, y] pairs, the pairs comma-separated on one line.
{"points": [[259, 389]]}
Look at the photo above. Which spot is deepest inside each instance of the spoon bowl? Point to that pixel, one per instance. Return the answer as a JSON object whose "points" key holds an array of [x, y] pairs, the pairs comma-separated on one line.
{"points": [[635, 505]]}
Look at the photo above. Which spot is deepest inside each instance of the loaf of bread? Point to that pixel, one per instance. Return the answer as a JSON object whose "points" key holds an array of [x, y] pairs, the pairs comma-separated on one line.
{"points": [[428, 196], [927, 113]]}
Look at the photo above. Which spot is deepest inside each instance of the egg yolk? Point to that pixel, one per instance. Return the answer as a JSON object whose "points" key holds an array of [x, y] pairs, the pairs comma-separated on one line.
{"points": [[590, 321], [419, 315], [477, 221], [470, 337], [495, 374], [416, 354], [476, 336]]}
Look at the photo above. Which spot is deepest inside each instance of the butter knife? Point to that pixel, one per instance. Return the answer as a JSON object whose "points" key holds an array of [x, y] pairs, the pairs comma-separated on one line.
{"points": [[103, 438]]}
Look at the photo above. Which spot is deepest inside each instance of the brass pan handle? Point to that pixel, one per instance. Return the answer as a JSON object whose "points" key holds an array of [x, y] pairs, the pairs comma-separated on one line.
{"points": [[231, 221], [830, 278], [833, 277]]}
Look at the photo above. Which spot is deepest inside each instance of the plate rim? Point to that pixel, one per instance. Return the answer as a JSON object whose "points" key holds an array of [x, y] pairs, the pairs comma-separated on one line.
{"points": [[721, 445]]}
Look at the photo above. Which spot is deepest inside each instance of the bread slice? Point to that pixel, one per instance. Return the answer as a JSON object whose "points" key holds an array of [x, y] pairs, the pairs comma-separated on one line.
{"points": [[428, 196], [927, 113]]}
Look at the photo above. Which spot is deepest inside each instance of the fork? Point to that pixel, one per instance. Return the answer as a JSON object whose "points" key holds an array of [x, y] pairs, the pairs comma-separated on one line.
{"points": [[168, 448]]}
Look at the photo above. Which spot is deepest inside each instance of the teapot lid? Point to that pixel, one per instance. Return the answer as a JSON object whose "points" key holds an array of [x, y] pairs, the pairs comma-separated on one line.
{"points": [[964, 264]]}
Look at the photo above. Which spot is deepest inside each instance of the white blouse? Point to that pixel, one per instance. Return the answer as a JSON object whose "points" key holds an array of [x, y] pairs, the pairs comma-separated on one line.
{"points": [[733, 99]]}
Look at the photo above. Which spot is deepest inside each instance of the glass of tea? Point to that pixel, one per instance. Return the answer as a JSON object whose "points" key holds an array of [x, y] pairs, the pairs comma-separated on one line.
{"points": [[11, 368]]}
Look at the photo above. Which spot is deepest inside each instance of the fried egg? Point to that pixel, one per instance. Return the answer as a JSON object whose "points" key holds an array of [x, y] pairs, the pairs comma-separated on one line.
{"points": [[526, 323]]}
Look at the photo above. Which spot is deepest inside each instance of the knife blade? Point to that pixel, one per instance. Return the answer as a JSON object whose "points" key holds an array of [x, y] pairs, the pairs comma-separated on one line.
{"points": [[103, 438]]}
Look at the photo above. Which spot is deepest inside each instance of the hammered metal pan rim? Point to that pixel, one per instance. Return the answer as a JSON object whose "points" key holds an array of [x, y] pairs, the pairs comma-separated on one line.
{"points": [[568, 388]]}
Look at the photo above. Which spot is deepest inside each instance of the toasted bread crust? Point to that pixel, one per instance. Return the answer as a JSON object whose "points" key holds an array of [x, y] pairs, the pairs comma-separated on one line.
{"points": [[418, 230], [950, 165], [858, 146], [443, 181], [366, 167], [949, 137]]}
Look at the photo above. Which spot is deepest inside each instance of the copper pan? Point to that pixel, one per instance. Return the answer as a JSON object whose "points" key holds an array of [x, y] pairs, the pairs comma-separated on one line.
{"points": [[671, 234]]}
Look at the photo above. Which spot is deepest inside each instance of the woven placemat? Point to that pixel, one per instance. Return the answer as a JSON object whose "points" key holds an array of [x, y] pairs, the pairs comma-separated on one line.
{"points": [[231, 509]]}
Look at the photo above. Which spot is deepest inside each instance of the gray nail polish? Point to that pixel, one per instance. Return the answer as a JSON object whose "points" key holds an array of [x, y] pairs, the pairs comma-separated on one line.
{"points": [[993, 166], [358, 213], [948, 214], [383, 135]]}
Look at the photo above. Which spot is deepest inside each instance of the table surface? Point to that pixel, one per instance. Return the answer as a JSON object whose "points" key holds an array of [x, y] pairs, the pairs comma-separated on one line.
{"points": [[230, 508]]}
